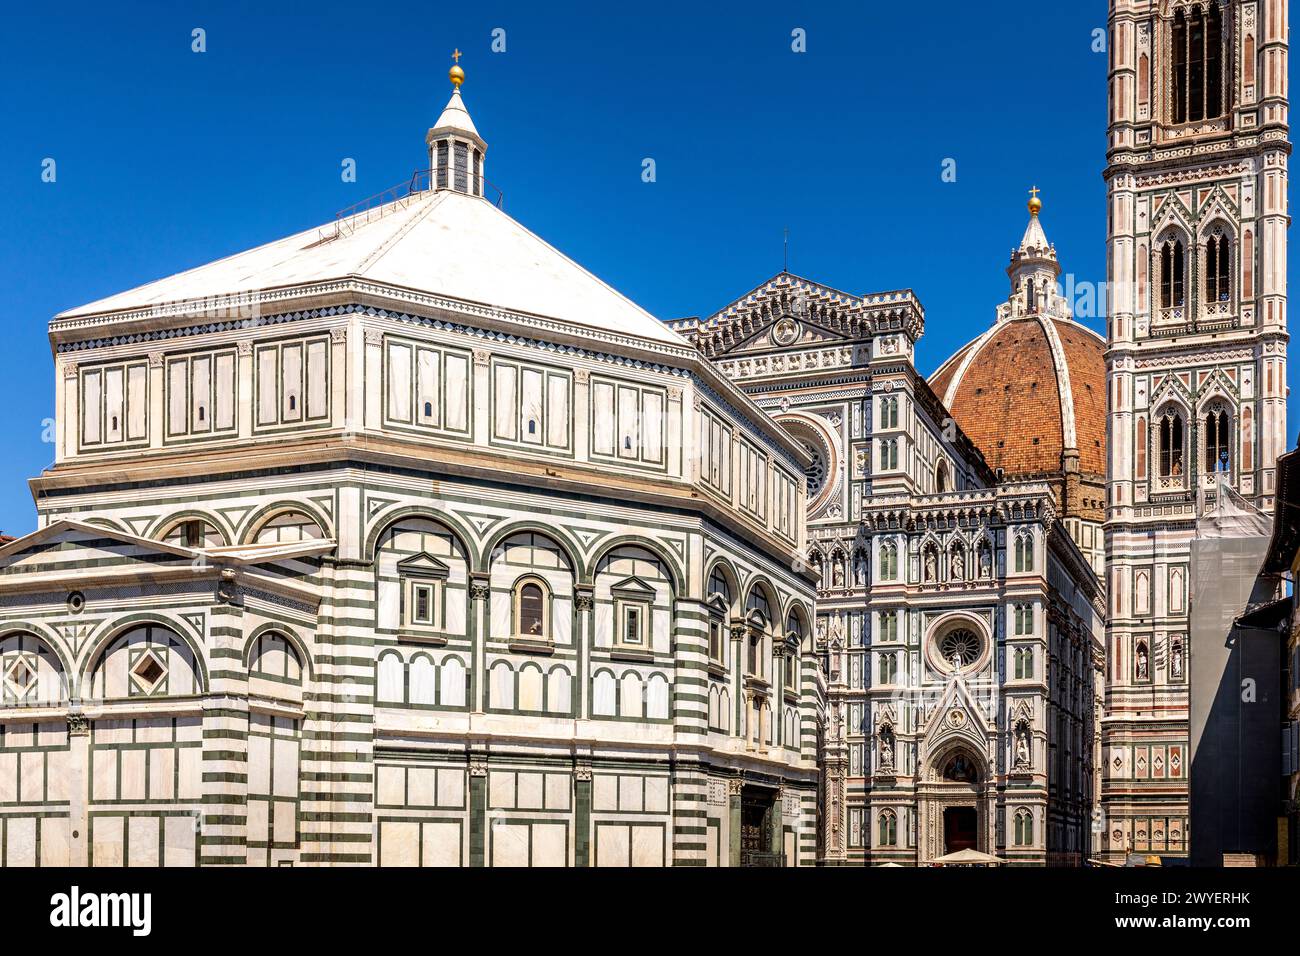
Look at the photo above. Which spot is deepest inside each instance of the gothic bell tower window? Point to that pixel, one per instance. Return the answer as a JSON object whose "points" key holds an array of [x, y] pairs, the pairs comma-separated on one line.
{"points": [[1196, 63], [1218, 444], [1218, 274], [1173, 270], [1171, 445]]}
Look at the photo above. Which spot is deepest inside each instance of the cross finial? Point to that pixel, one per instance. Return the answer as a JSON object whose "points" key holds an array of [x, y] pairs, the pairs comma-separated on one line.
{"points": [[1035, 204], [1034, 192], [456, 74]]}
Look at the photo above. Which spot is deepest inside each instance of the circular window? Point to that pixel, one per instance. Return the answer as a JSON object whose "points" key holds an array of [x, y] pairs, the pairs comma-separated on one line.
{"points": [[960, 648], [816, 441], [816, 470]]}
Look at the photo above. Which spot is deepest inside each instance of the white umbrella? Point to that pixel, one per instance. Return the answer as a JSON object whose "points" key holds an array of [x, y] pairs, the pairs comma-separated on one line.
{"points": [[969, 858]]}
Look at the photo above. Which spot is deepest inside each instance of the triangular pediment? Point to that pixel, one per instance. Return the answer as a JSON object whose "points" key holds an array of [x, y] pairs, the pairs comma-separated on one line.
{"points": [[957, 714], [422, 565], [786, 312], [632, 587], [786, 333]]}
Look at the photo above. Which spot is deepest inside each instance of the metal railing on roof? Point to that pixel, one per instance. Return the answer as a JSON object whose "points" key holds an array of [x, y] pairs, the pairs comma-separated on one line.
{"points": [[395, 198]]}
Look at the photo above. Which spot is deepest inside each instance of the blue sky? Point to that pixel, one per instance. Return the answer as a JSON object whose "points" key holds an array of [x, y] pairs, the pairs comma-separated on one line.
{"points": [[167, 158]]}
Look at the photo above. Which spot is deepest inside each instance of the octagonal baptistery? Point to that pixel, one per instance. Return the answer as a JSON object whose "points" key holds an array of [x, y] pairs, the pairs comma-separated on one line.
{"points": [[463, 557], [1031, 392]]}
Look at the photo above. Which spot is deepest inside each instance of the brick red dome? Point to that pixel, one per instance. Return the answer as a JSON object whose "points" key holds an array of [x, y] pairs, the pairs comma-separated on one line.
{"points": [[1028, 389]]}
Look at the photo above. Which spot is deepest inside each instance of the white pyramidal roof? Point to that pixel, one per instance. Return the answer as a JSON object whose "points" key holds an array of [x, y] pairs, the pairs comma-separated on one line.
{"points": [[455, 116], [440, 242]]}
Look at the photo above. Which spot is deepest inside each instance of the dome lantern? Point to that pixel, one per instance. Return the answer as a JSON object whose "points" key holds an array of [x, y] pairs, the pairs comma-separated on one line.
{"points": [[456, 150]]}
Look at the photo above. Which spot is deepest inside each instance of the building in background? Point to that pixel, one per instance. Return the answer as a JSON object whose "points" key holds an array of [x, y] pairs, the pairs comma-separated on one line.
{"points": [[959, 621], [1284, 559], [1196, 363], [405, 540]]}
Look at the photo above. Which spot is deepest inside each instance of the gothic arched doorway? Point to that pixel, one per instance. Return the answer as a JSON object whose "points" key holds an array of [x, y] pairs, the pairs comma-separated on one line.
{"points": [[960, 829], [954, 793]]}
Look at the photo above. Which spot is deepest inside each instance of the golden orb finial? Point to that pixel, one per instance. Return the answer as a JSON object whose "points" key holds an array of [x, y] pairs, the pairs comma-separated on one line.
{"points": [[456, 74], [1035, 204]]}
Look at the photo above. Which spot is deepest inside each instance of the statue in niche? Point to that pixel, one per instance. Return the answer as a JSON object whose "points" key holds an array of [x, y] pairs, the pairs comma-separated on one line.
{"points": [[1142, 662], [957, 566], [837, 630], [860, 570], [986, 561], [1022, 748], [1176, 660], [931, 565], [886, 748], [837, 573]]}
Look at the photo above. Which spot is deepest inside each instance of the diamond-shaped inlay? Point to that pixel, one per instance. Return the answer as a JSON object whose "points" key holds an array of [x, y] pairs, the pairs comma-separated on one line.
{"points": [[149, 671], [21, 677]]}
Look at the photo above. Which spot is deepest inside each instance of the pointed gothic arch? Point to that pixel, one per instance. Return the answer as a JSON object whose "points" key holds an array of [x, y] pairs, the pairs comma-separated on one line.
{"points": [[1170, 425], [1171, 269]]}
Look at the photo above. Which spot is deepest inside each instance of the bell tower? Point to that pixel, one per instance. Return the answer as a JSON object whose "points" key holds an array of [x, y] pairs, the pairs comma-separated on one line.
{"points": [[1196, 358]]}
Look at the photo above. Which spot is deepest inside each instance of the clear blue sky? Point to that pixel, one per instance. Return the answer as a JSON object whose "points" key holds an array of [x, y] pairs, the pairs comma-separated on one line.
{"points": [[167, 158]]}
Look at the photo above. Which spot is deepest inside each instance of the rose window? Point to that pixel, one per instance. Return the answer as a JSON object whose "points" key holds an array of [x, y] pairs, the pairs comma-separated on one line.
{"points": [[960, 647]]}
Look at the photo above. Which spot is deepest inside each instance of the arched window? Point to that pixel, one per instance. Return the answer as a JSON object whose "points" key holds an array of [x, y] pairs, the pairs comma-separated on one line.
{"points": [[887, 830], [288, 527], [758, 611], [30, 673], [889, 561], [194, 533], [888, 669], [147, 661], [1197, 61], [274, 656], [719, 587], [1024, 661], [1030, 301], [888, 454], [1024, 827], [1218, 445], [1218, 274], [941, 477], [794, 632], [758, 602], [532, 606], [1024, 553], [1173, 269], [1178, 61], [889, 412], [1171, 444], [719, 600]]}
